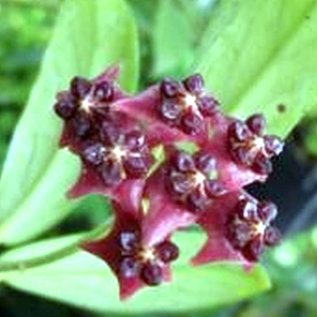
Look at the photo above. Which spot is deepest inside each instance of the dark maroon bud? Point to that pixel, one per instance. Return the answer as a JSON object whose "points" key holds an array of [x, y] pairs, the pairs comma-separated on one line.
{"points": [[151, 274], [272, 236], [214, 188], [170, 88], [94, 154], [110, 133], [170, 110], [136, 166], [256, 124], [267, 211], [111, 173], [180, 183], [66, 106], [103, 91], [183, 162], [208, 105], [129, 241], [135, 140], [167, 251], [239, 234], [205, 162], [254, 249], [129, 267], [82, 125], [247, 210], [273, 145], [194, 84], [243, 155], [239, 131], [262, 164], [80, 87], [197, 201], [191, 123]]}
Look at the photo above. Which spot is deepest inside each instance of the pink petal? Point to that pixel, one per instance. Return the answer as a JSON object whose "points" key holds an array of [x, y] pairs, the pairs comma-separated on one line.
{"points": [[128, 192], [214, 221], [232, 175], [164, 215]]}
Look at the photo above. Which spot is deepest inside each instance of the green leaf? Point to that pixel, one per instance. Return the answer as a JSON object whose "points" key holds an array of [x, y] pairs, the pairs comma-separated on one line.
{"points": [[172, 39], [257, 55], [89, 36], [85, 281]]}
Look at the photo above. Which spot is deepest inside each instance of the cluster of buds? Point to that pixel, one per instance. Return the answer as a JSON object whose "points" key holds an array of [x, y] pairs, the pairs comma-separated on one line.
{"points": [[116, 135]]}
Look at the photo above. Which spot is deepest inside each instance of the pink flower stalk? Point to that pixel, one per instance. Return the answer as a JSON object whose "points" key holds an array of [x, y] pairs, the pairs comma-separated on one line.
{"points": [[114, 134]]}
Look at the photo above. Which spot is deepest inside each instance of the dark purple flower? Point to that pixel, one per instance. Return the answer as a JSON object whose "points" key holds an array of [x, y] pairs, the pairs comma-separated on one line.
{"points": [[173, 111], [249, 146], [239, 228], [134, 262]]}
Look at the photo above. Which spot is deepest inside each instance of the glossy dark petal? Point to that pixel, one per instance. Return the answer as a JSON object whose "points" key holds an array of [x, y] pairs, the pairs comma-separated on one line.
{"points": [[167, 251], [111, 173], [273, 145], [103, 91], [262, 165], [208, 105], [136, 166], [197, 201], [80, 87], [272, 236], [66, 106], [170, 88], [129, 267], [267, 211], [151, 274], [247, 209], [254, 249], [239, 131], [256, 124], [191, 123], [214, 188], [180, 184], [170, 110], [81, 125], [183, 162], [135, 140], [94, 154], [206, 163], [129, 240], [194, 84]]}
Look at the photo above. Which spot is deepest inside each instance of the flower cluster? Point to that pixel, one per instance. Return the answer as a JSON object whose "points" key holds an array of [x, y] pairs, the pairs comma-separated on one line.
{"points": [[116, 135]]}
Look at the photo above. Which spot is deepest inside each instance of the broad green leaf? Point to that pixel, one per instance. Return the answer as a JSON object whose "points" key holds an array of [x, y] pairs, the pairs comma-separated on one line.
{"points": [[257, 55], [172, 39], [85, 281], [89, 36]]}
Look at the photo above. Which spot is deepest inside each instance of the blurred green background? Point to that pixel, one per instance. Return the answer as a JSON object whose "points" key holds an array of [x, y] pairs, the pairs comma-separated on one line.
{"points": [[25, 28]]}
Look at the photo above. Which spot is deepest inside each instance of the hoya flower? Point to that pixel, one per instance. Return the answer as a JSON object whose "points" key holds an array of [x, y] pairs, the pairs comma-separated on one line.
{"points": [[114, 135], [242, 150], [174, 110], [192, 179], [179, 191], [118, 156], [82, 106], [239, 228], [134, 262], [249, 146]]}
